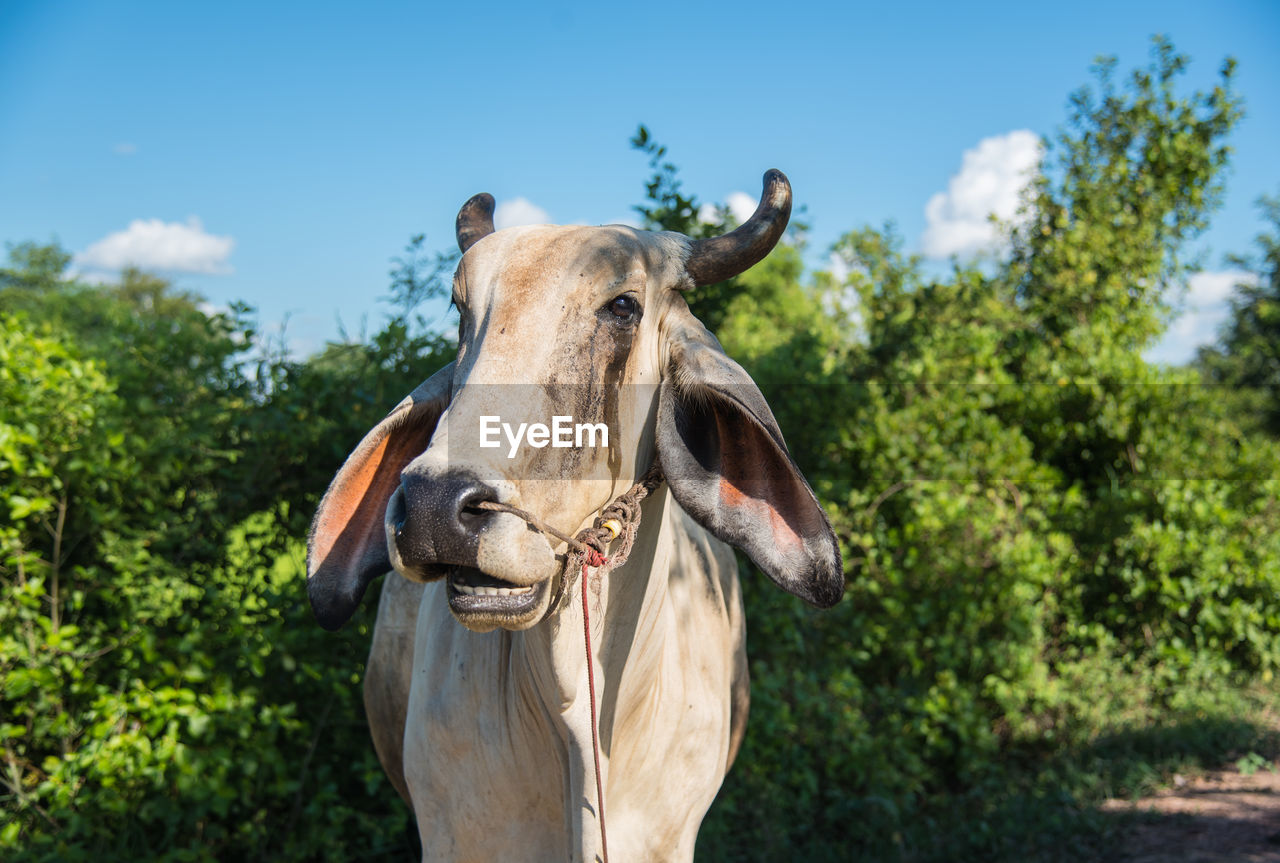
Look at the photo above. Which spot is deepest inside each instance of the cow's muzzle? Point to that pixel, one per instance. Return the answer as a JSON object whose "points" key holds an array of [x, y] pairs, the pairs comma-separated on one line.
{"points": [[498, 570], [430, 522]]}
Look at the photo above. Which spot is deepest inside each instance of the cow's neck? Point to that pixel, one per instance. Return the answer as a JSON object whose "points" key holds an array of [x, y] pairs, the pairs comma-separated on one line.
{"points": [[619, 604], [627, 629]]}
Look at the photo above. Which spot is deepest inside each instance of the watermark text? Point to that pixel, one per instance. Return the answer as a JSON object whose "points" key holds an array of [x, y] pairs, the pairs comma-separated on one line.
{"points": [[563, 432]]}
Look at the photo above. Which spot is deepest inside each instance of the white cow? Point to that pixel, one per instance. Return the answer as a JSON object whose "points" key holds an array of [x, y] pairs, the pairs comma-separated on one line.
{"points": [[477, 688]]}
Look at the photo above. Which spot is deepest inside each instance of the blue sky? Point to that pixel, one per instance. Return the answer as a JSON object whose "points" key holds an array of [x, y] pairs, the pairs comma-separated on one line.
{"points": [[283, 153]]}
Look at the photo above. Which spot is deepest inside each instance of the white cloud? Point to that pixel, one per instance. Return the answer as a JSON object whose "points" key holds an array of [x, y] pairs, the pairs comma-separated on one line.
{"points": [[124, 148], [155, 245], [838, 267], [843, 302], [519, 211], [1215, 288], [1205, 309], [991, 177], [740, 204]]}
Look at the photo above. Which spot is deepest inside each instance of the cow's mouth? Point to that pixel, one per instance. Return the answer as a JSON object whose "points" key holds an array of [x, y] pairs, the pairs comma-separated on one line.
{"points": [[480, 600]]}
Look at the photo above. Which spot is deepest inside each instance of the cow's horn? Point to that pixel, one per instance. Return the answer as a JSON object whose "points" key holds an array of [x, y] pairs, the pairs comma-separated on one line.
{"points": [[718, 258], [475, 220]]}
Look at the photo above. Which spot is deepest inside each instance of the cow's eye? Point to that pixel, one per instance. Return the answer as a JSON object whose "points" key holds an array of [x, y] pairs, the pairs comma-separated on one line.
{"points": [[624, 307]]}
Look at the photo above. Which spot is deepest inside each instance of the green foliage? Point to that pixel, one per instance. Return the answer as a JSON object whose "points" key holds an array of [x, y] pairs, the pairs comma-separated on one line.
{"points": [[175, 369], [667, 208], [311, 413], [318, 410], [417, 278], [1138, 173], [1047, 540], [164, 692], [34, 267], [1246, 359], [1063, 563]]}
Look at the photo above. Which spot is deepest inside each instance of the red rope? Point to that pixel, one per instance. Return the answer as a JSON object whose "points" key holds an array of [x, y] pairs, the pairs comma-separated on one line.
{"points": [[619, 519], [594, 558]]}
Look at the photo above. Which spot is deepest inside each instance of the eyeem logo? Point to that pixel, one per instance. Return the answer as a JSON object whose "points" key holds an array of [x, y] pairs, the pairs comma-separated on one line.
{"points": [[562, 433]]}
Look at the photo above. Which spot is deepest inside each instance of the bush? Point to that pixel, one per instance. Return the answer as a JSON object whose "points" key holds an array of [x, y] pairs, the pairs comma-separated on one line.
{"points": [[1047, 539], [157, 708]]}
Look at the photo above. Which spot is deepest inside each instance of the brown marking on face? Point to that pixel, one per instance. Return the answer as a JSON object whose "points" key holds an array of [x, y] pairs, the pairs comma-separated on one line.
{"points": [[612, 342], [589, 359], [536, 320]]}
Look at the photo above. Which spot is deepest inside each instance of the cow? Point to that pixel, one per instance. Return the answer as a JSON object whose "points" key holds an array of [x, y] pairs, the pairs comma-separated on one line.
{"points": [[477, 687]]}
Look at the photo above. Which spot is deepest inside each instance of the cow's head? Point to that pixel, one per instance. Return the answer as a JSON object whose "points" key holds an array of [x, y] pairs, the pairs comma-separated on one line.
{"points": [[588, 323]]}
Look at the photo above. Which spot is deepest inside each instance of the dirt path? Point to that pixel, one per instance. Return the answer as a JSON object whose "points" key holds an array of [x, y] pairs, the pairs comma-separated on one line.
{"points": [[1219, 817]]}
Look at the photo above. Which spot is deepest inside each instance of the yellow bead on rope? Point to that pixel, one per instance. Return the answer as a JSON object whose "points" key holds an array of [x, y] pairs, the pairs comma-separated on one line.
{"points": [[614, 527]]}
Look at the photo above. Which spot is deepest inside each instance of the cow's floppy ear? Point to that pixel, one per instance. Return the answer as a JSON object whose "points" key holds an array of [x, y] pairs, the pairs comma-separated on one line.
{"points": [[347, 545], [728, 467]]}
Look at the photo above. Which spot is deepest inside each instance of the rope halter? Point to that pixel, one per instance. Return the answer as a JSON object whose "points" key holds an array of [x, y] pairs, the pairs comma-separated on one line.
{"points": [[620, 519]]}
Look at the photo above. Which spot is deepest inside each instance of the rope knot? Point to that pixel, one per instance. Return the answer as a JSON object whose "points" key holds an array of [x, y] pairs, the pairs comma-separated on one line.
{"points": [[593, 557]]}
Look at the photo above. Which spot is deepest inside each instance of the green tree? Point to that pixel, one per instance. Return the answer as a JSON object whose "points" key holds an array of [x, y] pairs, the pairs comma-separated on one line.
{"points": [[668, 208], [165, 693], [1035, 521], [179, 370], [35, 267], [1246, 358], [312, 412], [1138, 170], [1045, 537]]}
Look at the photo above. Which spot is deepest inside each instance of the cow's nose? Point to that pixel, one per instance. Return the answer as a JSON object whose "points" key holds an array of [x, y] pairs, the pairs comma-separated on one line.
{"points": [[435, 523]]}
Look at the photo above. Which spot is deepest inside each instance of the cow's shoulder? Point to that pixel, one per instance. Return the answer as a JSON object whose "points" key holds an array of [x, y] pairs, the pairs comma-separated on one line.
{"points": [[389, 673]]}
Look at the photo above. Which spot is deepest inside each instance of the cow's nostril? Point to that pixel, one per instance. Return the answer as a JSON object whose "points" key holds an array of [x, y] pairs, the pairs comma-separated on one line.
{"points": [[438, 522], [395, 512], [470, 513]]}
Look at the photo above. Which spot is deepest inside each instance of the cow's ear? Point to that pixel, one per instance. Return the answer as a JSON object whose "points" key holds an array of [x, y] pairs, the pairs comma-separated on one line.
{"points": [[728, 467], [347, 545]]}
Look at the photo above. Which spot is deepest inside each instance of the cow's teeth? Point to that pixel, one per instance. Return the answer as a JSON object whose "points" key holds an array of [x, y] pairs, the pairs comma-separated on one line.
{"points": [[470, 590]]}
